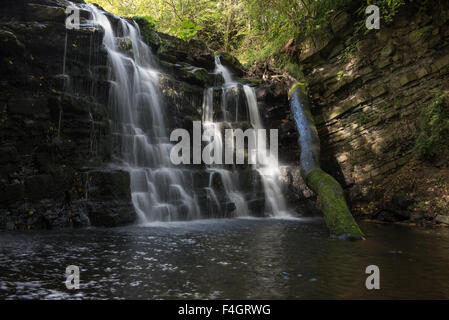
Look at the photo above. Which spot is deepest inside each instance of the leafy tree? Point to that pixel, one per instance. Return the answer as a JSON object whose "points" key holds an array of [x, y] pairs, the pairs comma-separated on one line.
{"points": [[250, 29]]}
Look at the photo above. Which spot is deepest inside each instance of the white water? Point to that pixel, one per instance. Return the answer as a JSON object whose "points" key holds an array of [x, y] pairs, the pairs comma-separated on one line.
{"points": [[229, 179], [267, 165], [159, 191]]}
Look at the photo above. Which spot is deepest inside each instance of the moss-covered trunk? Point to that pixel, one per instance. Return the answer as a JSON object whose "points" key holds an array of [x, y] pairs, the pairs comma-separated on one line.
{"points": [[333, 204]]}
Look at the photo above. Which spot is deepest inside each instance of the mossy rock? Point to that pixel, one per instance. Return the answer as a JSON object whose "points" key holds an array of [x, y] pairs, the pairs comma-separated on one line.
{"points": [[196, 75], [167, 44], [231, 62], [201, 74], [148, 32]]}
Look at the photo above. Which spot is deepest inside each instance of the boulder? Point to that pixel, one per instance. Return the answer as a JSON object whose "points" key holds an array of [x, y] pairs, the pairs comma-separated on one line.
{"points": [[442, 219], [177, 51]]}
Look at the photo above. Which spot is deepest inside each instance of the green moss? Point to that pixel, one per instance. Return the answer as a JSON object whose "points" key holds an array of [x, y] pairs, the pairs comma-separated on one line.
{"points": [[196, 74], [295, 71], [363, 119], [333, 204], [298, 85], [201, 74], [340, 75]]}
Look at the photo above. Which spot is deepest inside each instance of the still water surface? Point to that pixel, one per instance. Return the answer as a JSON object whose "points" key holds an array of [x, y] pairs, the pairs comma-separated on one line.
{"points": [[225, 259]]}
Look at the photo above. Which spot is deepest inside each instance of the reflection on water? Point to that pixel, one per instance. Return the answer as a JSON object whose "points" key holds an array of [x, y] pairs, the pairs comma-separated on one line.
{"points": [[225, 259]]}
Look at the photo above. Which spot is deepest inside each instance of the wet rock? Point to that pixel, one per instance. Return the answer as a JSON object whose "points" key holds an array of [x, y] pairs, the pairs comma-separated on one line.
{"points": [[257, 207], [108, 184], [10, 193], [442, 219], [9, 158], [38, 187], [28, 106], [175, 50], [401, 202], [109, 198], [230, 207], [38, 12], [10, 44], [111, 213], [125, 45]]}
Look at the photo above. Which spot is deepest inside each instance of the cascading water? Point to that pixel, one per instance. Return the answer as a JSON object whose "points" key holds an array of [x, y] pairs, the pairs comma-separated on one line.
{"points": [[267, 166], [159, 191], [228, 178]]}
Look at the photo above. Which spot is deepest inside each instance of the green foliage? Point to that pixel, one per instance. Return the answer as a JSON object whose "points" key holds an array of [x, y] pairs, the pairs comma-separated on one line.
{"points": [[274, 22], [220, 23], [433, 140], [252, 30], [151, 22], [340, 75], [185, 29], [124, 8]]}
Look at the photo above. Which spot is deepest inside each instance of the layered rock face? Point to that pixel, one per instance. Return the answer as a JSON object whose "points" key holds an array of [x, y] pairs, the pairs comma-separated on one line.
{"points": [[54, 127], [366, 96], [367, 103]]}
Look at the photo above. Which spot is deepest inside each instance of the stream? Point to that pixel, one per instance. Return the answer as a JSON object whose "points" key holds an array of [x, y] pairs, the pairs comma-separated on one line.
{"points": [[244, 258]]}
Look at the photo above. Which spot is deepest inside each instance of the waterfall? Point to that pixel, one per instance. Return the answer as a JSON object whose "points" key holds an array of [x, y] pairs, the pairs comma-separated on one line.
{"points": [[141, 145], [159, 191], [267, 166], [229, 178]]}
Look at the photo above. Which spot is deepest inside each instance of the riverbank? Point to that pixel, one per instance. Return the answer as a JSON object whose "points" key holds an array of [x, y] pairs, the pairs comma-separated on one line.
{"points": [[417, 194]]}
